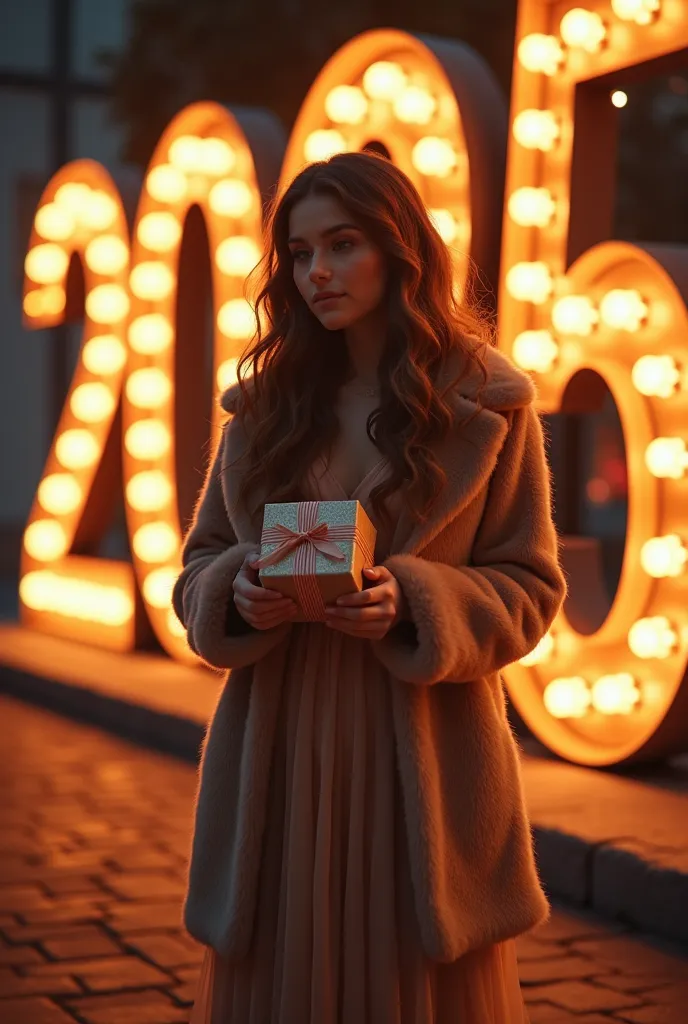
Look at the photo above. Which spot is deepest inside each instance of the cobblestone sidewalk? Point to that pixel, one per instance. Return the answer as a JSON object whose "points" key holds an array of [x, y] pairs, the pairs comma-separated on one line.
{"points": [[93, 838]]}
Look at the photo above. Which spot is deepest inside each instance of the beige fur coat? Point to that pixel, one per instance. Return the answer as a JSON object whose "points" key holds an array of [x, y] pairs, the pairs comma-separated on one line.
{"points": [[482, 581]]}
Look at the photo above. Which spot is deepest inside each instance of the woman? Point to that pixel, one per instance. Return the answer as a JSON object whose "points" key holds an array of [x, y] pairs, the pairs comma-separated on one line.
{"points": [[362, 852]]}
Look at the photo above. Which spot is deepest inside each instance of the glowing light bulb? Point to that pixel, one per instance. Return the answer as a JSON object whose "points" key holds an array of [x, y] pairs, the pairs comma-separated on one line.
{"points": [[531, 207], [54, 299], [415, 105], [535, 350], [158, 585], [81, 599], [104, 354], [663, 556], [542, 652], [584, 29], [106, 254], [619, 98], [536, 129], [323, 143], [236, 319], [237, 255], [623, 309], [54, 222], [150, 333], [167, 184], [652, 637], [107, 303], [59, 493], [33, 303], [642, 12], [346, 104], [149, 491], [227, 373], [151, 280], [434, 156], [230, 198], [567, 697], [384, 80], [656, 375], [159, 231], [217, 157], [575, 314], [73, 196], [92, 402], [155, 542], [530, 282], [666, 457], [540, 53], [148, 388], [45, 540], [148, 439], [186, 153], [445, 224], [76, 448], [46, 263], [615, 694], [99, 211]]}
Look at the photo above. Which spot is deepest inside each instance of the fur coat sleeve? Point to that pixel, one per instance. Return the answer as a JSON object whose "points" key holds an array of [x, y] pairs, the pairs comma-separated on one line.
{"points": [[203, 598], [472, 620]]}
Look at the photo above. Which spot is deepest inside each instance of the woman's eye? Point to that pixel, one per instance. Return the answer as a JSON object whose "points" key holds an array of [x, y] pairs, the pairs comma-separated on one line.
{"points": [[298, 253], [343, 241]]}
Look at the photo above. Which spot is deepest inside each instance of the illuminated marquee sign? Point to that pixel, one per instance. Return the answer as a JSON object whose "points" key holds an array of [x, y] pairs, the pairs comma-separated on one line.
{"points": [[596, 698]]}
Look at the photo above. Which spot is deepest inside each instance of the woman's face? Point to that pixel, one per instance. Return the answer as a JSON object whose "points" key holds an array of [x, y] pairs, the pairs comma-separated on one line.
{"points": [[333, 256]]}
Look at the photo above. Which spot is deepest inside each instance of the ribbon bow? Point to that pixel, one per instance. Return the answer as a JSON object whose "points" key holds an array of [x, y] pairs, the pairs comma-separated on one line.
{"points": [[316, 536]]}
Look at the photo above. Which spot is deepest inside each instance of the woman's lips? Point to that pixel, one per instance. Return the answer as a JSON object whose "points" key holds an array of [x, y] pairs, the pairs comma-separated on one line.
{"points": [[327, 301]]}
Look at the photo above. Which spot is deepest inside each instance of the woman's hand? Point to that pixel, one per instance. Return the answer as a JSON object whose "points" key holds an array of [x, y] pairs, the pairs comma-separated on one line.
{"points": [[260, 607], [369, 613]]}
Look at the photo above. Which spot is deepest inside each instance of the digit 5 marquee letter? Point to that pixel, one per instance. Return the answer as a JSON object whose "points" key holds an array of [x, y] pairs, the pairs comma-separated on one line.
{"points": [[571, 301]]}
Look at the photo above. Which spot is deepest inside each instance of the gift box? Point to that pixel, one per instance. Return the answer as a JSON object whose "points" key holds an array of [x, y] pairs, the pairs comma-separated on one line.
{"points": [[315, 551]]}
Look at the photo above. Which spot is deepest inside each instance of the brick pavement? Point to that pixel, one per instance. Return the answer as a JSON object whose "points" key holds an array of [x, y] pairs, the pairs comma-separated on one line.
{"points": [[93, 839]]}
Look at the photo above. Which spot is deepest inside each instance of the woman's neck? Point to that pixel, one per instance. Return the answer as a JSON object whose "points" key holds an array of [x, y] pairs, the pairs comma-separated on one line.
{"points": [[365, 342]]}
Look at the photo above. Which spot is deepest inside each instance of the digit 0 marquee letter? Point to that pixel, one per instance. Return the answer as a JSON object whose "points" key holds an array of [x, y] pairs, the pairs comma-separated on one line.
{"points": [[569, 305], [62, 590], [210, 159]]}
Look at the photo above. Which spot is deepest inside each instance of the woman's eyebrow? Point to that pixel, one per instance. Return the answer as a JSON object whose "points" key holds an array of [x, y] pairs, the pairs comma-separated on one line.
{"points": [[326, 232]]}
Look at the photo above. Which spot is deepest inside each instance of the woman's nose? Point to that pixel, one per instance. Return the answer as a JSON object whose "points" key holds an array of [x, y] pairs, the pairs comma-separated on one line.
{"points": [[319, 270]]}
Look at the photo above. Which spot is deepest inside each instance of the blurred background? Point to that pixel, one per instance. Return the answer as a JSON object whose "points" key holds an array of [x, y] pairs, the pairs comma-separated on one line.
{"points": [[101, 80]]}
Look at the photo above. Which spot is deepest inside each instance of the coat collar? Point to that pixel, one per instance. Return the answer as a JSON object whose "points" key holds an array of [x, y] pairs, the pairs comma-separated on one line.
{"points": [[468, 453]]}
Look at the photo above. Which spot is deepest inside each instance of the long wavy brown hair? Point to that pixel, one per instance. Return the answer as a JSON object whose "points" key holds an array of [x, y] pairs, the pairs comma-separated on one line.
{"points": [[298, 365]]}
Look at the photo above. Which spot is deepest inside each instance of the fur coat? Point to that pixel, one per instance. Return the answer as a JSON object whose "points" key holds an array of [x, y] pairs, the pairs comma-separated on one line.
{"points": [[482, 582]]}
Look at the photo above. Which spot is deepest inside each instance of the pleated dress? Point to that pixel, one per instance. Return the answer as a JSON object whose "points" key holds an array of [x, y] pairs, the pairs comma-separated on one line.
{"points": [[336, 937]]}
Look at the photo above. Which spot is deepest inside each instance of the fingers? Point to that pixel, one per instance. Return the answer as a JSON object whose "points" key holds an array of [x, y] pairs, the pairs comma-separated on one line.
{"points": [[265, 616], [372, 613], [244, 585], [366, 631]]}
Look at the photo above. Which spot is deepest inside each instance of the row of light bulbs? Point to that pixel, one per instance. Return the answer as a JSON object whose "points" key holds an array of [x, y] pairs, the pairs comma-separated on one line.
{"points": [[530, 206], [619, 693], [574, 697], [580, 28], [191, 165], [385, 82], [650, 637]]}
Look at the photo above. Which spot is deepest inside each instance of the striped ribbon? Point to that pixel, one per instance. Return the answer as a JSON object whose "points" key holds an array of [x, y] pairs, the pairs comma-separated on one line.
{"points": [[309, 538]]}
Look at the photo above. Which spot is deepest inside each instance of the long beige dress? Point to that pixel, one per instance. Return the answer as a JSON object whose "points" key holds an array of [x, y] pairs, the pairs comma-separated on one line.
{"points": [[336, 939]]}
